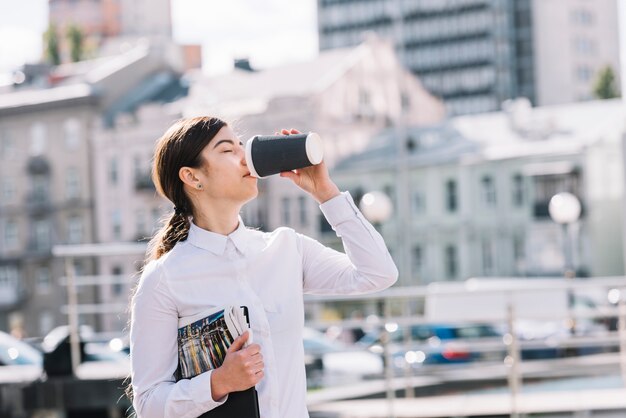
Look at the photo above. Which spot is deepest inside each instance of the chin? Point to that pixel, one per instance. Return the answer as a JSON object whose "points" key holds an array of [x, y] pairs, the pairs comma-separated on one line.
{"points": [[253, 194]]}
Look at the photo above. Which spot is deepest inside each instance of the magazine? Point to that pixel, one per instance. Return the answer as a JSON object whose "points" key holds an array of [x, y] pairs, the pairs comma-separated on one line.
{"points": [[203, 339]]}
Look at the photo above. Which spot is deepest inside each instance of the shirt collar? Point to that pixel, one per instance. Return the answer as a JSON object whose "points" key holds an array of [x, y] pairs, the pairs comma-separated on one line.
{"points": [[216, 243]]}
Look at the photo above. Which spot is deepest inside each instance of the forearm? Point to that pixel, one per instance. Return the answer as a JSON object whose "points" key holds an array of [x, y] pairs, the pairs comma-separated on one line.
{"points": [[365, 267]]}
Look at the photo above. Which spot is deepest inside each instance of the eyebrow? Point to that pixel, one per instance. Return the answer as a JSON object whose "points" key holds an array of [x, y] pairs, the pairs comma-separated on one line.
{"points": [[230, 141]]}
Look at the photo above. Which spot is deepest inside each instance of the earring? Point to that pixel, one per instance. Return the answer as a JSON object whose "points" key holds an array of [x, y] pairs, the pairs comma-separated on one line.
{"points": [[199, 186]]}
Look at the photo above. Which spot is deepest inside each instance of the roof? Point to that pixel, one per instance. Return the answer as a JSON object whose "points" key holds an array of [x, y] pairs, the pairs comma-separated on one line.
{"points": [[549, 130], [50, 96], [302, 79]]}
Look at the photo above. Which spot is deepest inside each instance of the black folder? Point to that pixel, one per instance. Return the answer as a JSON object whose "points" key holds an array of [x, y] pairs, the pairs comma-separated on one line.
{"points": [[244, 404]]}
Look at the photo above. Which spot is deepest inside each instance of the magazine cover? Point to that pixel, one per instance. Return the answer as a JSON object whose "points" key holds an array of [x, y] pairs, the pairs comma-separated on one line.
{"points": [[203, 339]]}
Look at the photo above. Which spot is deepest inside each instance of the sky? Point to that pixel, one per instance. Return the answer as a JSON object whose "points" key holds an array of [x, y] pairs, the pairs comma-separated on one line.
{"points": [[269, 32]]}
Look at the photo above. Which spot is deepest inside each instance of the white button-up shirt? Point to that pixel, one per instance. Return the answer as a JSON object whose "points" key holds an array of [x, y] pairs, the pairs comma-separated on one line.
{"points": [[269, 273]]}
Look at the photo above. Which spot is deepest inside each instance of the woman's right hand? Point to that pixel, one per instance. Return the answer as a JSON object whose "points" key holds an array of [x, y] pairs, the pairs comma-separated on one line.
{"points": [[242, 368]]}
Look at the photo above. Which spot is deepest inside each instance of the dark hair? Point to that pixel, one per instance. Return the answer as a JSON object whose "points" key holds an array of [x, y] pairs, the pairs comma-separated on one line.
{"points": [[179, 147]]}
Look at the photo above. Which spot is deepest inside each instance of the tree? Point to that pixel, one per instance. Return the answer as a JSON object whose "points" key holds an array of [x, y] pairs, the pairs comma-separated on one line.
{"points": [[75, 38], [51, 41], [605, 86]]}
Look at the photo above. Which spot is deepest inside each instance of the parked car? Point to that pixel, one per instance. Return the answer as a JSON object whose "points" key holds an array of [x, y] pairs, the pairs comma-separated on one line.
{"points": [[19, 362], [330, 362], [445, 343]]}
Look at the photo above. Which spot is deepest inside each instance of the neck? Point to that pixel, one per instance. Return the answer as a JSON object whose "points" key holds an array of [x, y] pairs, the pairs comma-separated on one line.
{"points": [[219, 218]]}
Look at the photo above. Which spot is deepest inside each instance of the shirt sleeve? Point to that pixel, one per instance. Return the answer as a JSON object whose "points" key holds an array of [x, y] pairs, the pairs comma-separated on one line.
{"points": [[154, 356], [366, 265]]}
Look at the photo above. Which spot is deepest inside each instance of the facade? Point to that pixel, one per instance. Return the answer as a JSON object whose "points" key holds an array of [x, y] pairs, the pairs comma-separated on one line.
{"points": [[340, 95], [46, 200], [345, 95], [475, 54], [128, 208], [49, 190], [479, 189]]}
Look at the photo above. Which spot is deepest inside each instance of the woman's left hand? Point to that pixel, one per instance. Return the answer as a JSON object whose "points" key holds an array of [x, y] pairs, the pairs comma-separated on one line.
{"points": [[314, 180]]}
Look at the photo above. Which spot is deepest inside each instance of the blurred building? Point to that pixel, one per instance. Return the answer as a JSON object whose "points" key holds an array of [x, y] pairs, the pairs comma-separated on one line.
{"points": [[346, 95], [128, 207], [475, 54], [102, 19], [49, 191], [480, 186], [112, 26]]}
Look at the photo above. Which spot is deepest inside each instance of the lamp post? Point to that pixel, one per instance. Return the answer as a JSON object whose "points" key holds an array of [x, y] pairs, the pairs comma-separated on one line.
{"points": [[564, 209], [377, 208]]}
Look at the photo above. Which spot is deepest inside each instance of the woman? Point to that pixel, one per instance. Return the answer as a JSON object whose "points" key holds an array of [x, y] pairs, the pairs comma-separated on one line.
{"points": [[205, 257]]}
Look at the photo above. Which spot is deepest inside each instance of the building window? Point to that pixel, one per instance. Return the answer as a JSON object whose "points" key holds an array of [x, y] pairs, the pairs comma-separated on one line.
{"points": [[41, 188], [116, 224], [43, 279], [113, 171], [9, 191], [451, 262], [11, 236], [42, 235], [117, 288], [303, 210], [37, 139], [46, 322], [488, 191], [75, 230], [419, 203], [286, 210], [9, 277], [418, 259], [584, 73], [451, 196], [584, 46], [487, 257], [71, 130], [518, 190], [7, 145], [72, 183], [582, 17], [519, 252], [405, 100], [140, 223]]}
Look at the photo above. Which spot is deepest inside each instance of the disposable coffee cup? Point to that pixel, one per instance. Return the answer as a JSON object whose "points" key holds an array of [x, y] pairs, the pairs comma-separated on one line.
{"points": [[272, 154]]}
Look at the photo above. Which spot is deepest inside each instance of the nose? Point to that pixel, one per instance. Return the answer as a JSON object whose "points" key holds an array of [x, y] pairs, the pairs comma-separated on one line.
{"points": [[242, 152]]}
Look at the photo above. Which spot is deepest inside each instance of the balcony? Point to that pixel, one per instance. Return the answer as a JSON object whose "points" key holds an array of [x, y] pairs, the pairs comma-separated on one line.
{"points": [[38, 203], [38, 166]]}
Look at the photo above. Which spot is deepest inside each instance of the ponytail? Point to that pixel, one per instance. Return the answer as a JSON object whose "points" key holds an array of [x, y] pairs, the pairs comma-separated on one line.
{"points": [[176, 229]]}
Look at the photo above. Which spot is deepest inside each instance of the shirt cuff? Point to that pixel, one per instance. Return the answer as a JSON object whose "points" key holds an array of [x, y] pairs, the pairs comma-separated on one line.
{"points": [[200, 389], [339, 209]]}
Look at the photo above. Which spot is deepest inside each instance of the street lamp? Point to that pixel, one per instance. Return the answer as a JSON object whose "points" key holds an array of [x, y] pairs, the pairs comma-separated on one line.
{"points": [[564, 209], [377, 208]]}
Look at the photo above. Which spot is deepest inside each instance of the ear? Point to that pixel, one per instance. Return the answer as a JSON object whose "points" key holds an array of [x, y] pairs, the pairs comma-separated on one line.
{"points": [[188, 176]]}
